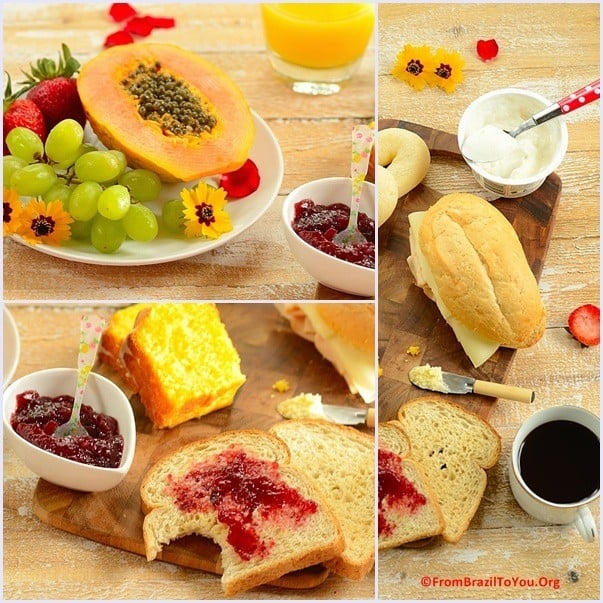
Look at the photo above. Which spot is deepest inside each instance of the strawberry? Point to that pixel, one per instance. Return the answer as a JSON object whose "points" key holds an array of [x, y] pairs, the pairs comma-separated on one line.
{"points": [[21, 112], [52, 87], [584, 324]]}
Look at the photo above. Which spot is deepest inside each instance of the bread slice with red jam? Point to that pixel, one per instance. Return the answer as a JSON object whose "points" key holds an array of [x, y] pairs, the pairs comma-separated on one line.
{"points": [[240, 490], [407, 508]]}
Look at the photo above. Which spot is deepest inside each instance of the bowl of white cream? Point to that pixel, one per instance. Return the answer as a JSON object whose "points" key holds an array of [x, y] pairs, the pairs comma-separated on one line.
{"points": [[523, 165]]}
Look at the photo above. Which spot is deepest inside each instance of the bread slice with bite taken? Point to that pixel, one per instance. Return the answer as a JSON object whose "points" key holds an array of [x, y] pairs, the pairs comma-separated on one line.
{"points": [[341, 462], [407, 509], [240, 489], [454, 448]]}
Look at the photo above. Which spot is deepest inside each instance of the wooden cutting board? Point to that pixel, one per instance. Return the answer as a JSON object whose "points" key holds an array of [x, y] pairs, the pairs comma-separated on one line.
{"points": [[269, 351], [408, 318]]}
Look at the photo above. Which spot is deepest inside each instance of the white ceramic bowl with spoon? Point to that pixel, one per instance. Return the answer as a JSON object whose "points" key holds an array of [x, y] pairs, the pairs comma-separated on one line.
{"points": [[327, 269], [103, 396]]}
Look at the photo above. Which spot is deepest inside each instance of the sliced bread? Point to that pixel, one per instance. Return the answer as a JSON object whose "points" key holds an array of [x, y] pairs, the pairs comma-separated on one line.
{"points": [[183, 362], [341, 462], [240, 490], [408, 509], [454, 447]]}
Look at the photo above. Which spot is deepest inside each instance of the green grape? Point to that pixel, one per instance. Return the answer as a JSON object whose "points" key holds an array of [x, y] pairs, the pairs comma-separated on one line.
{"points": [[107, 235], [24, 143], [86, 147], [97, 166], [33, 180], [58, 192], [64, 140], [83, 203], [114, 202], [80, 231], [144, 185], [123, 162], [172, 216], [140, 223], [10, 164]]}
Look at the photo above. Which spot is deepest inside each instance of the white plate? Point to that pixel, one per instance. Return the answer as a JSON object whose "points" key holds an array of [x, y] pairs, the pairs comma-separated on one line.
{"points": [[11, 347], [265, 152]]}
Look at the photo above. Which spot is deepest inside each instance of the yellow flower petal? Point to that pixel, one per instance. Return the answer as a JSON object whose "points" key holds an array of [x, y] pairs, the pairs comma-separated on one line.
{"points": [[11, 212], [448, 70], [204, 214], [44, 223], [413, 63]]}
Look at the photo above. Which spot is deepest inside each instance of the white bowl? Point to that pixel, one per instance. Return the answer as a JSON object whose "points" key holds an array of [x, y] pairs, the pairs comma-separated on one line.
{"points": [[102, 395], [326, 269], [489, 109]]}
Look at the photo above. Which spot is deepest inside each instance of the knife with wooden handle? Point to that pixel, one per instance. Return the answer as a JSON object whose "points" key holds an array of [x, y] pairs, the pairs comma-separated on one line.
{"points": [[433, 378]]}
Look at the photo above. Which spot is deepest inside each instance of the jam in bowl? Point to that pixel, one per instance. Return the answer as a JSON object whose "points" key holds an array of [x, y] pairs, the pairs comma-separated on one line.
{"points": [[312, 214], [36, 404]]}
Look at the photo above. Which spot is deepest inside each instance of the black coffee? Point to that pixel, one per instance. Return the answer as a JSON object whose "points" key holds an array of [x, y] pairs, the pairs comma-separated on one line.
{"points": [[559, 461]]}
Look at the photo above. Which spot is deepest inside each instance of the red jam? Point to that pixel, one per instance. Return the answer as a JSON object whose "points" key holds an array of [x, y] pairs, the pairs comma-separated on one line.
{"points": [[245, 492], [318, 224], [36, 418], [395, 490]]}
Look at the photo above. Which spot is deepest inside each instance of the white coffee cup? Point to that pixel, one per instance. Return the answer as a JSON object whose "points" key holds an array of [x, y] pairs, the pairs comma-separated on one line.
{"points": [[578, 512]]}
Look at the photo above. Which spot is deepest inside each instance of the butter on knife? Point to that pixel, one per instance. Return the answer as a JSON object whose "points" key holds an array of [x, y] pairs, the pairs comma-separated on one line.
{"points": [[435, 379]]}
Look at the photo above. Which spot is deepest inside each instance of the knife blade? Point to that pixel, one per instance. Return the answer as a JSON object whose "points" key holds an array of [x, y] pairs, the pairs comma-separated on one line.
{"points": [[344, 415], [433, 378]]}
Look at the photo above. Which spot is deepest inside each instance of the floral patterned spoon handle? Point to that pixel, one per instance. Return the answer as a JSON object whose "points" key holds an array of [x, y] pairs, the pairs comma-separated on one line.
{"points": [[362, 141], [91, 328]]}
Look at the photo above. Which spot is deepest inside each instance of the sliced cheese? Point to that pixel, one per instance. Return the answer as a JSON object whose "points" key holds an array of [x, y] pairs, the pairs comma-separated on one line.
{"points": [[357, 366], [477, 348]]}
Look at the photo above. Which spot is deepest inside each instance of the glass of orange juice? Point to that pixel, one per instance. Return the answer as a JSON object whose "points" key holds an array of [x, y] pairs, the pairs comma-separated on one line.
{"points": [[316, 47]]}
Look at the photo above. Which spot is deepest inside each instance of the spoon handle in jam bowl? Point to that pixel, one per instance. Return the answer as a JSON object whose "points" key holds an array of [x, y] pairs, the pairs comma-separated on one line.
{"points": [[91, 329], [362, 142]]}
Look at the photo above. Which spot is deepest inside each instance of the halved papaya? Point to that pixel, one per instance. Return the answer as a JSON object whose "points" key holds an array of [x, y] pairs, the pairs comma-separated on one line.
{"points": [[167, 109]]}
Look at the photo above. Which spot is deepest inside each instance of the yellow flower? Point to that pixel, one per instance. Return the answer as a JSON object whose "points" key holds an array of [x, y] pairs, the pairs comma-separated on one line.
{"points": [[44, 223], [448, 70], [11, 211], [413, 64], [204, 213]]}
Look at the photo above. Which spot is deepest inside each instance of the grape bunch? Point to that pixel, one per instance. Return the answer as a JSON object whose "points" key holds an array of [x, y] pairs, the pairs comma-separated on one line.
{"points": [[104, 197]]}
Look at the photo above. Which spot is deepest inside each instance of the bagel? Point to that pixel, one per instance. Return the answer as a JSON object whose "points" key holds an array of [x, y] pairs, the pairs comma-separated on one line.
{"points": [[388, 193], [405, 157]]}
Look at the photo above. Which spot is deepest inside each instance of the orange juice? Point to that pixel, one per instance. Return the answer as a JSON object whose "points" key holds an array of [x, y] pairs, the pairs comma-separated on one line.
{"points": [[318, 36]]}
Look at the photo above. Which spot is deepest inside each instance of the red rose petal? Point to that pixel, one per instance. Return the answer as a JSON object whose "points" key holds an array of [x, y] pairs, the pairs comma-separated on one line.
{"points": [[117, 38], [140, 26], [120, 11], [162, 22], [241, 182], [487, 49]]}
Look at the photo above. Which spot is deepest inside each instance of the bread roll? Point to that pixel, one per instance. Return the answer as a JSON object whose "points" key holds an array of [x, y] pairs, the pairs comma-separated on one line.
{"points": [[344, 333], [468, 258]]}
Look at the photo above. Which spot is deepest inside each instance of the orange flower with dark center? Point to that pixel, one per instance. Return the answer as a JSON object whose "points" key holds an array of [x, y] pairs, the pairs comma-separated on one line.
{"points": [[44, 223]]}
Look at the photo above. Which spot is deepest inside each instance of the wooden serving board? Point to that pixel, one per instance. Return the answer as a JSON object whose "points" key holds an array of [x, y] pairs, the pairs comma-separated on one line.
{"points": [[269, 351], [408, 318]]}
